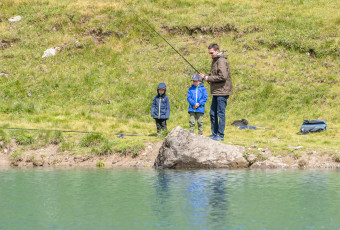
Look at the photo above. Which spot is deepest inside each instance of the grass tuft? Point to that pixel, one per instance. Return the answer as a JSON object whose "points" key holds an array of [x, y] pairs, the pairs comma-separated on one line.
{"points": [[91, 140]]}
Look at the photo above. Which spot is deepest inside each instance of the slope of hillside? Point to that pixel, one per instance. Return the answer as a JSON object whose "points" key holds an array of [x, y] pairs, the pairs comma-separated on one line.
{"points": [[284, 60]]}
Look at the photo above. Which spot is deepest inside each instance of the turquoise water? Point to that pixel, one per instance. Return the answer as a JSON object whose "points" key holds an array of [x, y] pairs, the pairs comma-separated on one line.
{"points": [[150, 199]]}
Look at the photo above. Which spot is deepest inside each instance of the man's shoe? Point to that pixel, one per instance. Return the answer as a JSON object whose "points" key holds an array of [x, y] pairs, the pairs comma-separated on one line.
{"points": [[218, 138], [212, 136], [201, 134]]}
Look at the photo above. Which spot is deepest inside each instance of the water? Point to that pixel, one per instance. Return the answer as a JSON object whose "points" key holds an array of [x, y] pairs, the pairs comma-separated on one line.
{"points": [[150, 199]]}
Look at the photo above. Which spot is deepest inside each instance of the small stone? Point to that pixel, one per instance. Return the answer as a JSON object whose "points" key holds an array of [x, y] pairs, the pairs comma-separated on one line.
{"points": [[38, 163], [49, 52], [251, 158], [3, 74], [78, 44], [29, 95], [15, 19]]}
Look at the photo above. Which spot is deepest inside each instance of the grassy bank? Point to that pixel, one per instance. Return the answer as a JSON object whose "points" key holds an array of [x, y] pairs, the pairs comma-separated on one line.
{"points": [[284, 59]]}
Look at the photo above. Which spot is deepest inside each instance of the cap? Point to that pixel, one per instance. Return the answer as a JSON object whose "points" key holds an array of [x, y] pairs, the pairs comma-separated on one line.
{"points": [[196, 77]]}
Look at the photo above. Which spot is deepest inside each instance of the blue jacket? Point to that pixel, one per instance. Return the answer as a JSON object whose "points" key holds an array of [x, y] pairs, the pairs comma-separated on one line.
{"points": [[198, 95], [160, 108]]}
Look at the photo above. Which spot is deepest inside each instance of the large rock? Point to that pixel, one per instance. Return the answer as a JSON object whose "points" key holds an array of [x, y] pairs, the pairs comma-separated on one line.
{"points": [[182, 149]]}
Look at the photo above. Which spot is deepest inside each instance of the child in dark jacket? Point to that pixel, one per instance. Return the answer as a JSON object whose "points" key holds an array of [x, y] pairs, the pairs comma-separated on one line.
{"points": [[197, 97], [160, 109]]}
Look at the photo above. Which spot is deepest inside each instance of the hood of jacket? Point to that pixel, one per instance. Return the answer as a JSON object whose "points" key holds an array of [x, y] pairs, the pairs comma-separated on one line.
{"points": [[220, 55], [161, 86]]}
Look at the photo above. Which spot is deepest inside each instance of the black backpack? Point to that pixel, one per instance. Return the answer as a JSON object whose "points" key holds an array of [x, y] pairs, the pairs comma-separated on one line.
{"points": [[312, 126], [242, 122]]}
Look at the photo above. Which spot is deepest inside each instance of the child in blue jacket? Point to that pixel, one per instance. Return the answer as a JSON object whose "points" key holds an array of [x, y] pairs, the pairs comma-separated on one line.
{"points": [[197, 97], [160, 109]]}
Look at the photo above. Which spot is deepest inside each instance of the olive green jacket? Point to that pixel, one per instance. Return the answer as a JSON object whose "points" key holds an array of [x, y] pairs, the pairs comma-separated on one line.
{"points": [[219, 77]]}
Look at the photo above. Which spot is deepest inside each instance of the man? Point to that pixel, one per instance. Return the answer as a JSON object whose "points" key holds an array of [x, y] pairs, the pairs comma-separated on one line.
{"points": [[220, 87]]}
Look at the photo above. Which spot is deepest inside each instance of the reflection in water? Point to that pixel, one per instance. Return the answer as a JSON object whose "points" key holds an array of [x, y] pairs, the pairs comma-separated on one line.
{"points": [[162, 209], [218, 201], [197, 200], [207, 200]]}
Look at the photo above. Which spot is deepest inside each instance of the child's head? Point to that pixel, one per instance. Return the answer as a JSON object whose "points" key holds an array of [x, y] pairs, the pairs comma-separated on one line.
{"points": [[195, 80], [161, 88]]}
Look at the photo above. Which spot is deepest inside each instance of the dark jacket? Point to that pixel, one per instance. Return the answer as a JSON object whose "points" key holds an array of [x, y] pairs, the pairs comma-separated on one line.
{"points": [[219, 77], [160, 108], [198, 95]]}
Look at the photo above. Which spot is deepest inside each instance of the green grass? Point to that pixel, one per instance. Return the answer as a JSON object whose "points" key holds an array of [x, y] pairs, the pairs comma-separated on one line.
{"points": [[100, 164], [4, 137], [284, 59]]}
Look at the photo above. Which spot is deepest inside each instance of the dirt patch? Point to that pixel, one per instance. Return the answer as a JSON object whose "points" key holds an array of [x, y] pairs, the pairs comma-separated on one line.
{"points": [[199, 30], [5, 44], [50, 156], [101, 36], [302, 160], [208, 30]]}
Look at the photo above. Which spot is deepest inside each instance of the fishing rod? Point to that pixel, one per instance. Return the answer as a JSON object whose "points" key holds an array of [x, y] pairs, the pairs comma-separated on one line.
{"points": [[52, 130], [166, 42]]}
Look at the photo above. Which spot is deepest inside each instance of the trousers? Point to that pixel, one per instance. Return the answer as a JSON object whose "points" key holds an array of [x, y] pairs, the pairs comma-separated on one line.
{"points": [[217, 115], [194, 116], [160, 124]]}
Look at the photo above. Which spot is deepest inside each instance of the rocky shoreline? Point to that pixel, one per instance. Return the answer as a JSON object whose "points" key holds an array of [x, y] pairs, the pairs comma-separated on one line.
{"points": [[179, 150]]}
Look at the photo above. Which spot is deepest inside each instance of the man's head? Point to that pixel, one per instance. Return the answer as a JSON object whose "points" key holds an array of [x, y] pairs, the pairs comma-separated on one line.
{"points": [[161, 91], [214, 49], [195, 80]]}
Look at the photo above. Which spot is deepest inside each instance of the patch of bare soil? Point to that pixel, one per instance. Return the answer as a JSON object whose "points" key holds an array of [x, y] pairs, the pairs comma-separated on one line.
{"points": [[100, 36], [304, 160], [200, 30], [50, 156], [4, 44]]}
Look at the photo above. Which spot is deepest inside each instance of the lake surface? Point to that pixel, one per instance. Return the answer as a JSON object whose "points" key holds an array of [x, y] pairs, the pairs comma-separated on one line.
{"points": [[151, 199]]}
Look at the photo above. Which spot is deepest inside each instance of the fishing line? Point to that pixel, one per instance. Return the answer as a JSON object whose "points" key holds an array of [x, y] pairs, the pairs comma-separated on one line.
{"points": [[166, 41], [52, 130], [122, 135], [119, 135]]}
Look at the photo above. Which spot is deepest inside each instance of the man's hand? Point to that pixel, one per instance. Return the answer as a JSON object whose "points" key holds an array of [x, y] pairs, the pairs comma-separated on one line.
{"points": [[196, 106], [203, 76]]}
